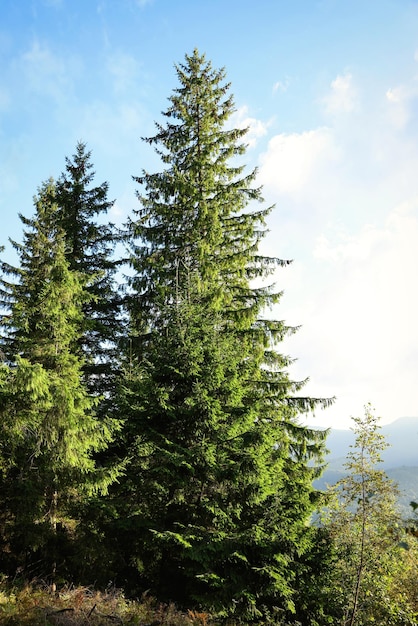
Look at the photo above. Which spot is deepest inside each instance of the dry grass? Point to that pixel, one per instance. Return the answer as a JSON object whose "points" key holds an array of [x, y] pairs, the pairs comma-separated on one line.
{"points": [[38, 606]]}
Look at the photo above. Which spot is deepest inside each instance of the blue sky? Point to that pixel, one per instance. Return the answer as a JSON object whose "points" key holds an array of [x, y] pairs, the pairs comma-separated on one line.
{"points": [[329, 89]]}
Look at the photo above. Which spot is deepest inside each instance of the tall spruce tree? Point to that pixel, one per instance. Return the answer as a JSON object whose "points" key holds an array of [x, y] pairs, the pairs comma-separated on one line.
{"points": [[90, 242], [219, 490], [49, 429]]}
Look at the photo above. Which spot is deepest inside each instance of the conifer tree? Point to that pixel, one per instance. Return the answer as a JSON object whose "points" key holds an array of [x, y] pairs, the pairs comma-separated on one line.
{"points": [[366, 528], [219, 490], [90, 243], [49, 431]]}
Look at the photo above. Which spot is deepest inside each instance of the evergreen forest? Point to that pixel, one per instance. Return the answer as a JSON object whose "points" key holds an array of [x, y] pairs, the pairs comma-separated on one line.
{"points": [[152, 440]]}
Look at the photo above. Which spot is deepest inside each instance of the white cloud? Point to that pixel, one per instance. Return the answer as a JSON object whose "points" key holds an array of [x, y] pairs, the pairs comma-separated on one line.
{"points": [[347, 212], [400, 104], [293, 161], [353, 170], [256, 128], [349, 247], [118, 212], [343, 96], [359, 337]]}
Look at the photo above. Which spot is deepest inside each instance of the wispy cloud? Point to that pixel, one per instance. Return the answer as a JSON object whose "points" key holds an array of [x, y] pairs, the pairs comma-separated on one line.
{"points": [[123, 69], [401, 102], [47, 73], [342, 97], [281, 85]]}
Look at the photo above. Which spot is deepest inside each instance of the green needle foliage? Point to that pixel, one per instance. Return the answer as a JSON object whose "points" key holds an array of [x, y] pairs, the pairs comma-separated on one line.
{"points": [[49, 429], [90, 244], [367, 530], [218, 494]]}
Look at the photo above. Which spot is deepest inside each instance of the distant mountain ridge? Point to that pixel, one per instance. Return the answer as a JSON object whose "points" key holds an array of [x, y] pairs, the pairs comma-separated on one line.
{"points": [[401, 435], [400, 459]]}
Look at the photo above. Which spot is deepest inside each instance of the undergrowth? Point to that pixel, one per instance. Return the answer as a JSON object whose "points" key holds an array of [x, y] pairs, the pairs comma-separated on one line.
{"points": [[37, 605]]}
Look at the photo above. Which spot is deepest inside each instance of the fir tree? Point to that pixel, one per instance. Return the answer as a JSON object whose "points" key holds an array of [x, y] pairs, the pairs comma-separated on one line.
{"points": [[90, 244], [219, 491], [49, 431]]}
